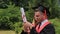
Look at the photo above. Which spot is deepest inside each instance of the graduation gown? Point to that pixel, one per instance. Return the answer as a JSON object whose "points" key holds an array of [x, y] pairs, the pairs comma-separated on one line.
{"points": [[49, 29]]}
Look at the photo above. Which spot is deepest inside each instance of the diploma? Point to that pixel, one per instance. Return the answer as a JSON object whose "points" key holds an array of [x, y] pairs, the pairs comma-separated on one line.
{"points": [[23, 15]]}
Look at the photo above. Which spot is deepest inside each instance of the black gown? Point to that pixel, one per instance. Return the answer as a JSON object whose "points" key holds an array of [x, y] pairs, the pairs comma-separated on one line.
{"points": [[49, 29]]}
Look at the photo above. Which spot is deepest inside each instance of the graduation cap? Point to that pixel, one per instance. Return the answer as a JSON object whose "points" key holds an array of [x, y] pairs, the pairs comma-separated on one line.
{"points": [[40, 7], [43, 9]]}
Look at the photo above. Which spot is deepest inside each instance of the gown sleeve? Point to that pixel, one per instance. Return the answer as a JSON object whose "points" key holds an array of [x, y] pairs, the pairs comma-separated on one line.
{"points": [[23, 32], [49, 29]]}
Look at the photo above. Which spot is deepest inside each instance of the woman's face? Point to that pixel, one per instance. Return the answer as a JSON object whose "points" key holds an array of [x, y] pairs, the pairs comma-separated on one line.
{"points": [[38, 17]]}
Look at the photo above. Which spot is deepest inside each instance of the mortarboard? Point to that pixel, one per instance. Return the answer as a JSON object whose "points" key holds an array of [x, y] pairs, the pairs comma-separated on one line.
{"points": [[41, 8]]}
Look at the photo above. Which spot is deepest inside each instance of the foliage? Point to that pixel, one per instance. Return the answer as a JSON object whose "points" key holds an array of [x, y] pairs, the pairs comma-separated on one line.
{"points": [[10, 14], [56, 23]]}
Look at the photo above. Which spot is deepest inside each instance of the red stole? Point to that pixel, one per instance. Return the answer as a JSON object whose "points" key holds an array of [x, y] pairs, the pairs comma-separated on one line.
{"points": [[43, 24]]}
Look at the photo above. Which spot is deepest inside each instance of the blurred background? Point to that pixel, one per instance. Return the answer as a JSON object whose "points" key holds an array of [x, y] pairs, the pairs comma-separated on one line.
{"points": [[10, 14]]}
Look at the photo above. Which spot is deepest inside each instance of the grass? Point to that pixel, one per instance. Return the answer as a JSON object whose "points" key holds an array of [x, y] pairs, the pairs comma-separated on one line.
{"points": [[7, 32]]}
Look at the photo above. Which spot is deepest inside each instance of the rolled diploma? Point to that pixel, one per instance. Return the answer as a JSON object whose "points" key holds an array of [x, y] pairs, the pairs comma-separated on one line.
{"points": [[23, 15]]}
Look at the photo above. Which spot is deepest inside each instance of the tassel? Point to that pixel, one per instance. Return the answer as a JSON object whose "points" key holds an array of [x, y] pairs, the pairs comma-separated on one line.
{"points": [[45, 14]]}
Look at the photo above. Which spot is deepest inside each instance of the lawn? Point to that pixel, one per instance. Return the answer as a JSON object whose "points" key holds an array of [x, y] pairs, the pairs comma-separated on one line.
{"points": [[7, 32]]}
